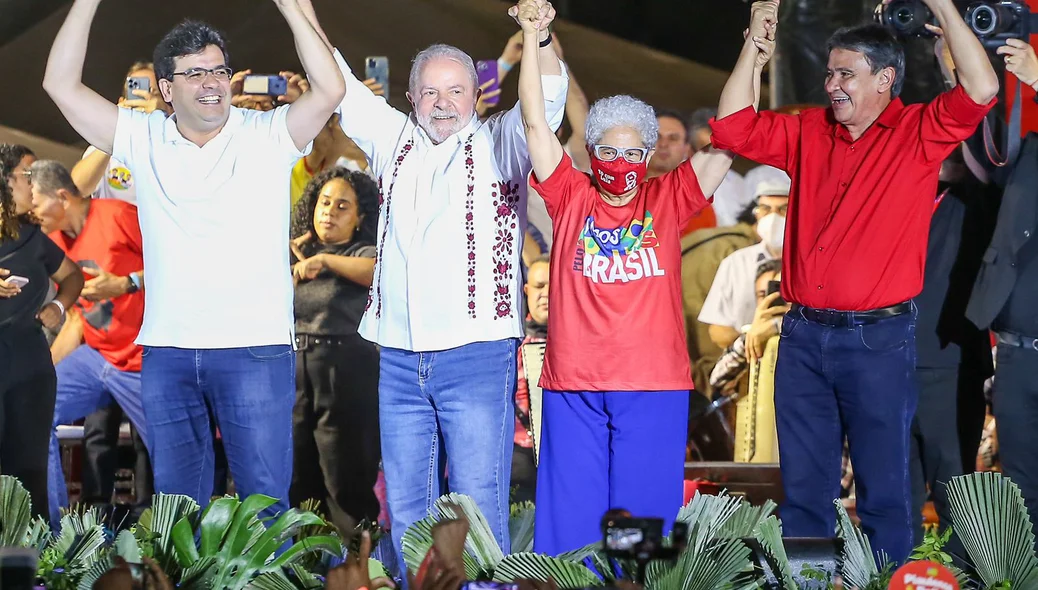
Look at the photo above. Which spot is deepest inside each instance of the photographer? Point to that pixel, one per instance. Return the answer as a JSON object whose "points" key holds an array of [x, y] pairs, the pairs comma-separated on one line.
{"points": [[864, 172], [1003, 298]]}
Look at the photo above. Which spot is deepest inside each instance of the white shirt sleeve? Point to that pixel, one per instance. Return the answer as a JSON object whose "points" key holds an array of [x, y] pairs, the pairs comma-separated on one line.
{"points": [[718, 306], [729, 199], [132, 137], [509, 133], [368, 119], [275, 125]]}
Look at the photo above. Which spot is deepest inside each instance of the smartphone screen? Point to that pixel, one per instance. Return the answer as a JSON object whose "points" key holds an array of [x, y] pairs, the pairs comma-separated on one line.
{"points": [[377, 67], [486, 71]]}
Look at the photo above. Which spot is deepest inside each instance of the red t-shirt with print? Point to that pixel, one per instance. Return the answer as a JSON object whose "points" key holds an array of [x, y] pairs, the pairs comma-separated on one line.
{"points": [[617, 322], [110, 241]]}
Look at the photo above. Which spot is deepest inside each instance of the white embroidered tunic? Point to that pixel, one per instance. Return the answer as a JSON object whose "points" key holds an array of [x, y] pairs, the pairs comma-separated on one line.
{"points": [[452, 219]]}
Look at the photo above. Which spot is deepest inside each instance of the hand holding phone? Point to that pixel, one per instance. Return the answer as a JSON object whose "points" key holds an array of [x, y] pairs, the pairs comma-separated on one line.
{"points": [[377, 68], [486, 73], [10, 285], [265, 85]]}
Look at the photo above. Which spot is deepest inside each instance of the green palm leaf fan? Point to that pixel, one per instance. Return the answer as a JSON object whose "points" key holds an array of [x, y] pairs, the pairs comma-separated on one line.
{"points": [[990, 518]]}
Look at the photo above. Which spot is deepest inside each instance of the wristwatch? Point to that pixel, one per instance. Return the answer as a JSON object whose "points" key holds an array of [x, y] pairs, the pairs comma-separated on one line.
{"points": [[132, 287]]}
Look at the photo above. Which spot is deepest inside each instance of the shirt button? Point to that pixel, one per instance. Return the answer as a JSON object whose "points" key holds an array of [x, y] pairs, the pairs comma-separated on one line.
{"points": [[1027, 233], [820, 249], [819, 287]]}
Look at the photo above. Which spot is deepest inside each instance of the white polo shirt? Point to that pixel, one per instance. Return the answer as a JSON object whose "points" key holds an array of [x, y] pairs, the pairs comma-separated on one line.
{"points": [[215, 227], [732, 299]]}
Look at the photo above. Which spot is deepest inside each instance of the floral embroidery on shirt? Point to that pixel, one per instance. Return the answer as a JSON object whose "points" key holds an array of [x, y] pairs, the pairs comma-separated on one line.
{"points": [[385, 229], [506, 214], [470, 226]]}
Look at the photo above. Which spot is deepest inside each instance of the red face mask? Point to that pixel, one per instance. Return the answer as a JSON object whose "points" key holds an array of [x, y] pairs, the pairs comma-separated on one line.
{"points": [[619, 176]]}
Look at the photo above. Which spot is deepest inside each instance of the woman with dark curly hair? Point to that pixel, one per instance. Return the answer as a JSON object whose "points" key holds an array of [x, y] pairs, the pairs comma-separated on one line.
{"points": [[336, 433], [29, 260]]}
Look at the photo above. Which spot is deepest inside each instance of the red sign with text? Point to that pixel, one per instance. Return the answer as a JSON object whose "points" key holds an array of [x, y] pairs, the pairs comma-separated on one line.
{"points": [[923, 575]]}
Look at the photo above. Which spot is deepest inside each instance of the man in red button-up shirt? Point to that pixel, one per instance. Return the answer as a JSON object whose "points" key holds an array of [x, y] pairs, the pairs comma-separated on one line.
{"points": [[864, 172]]}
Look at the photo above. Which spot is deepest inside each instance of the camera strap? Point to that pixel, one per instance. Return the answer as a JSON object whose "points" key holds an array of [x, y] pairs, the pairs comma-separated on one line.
{"points": [[1012, 141]]}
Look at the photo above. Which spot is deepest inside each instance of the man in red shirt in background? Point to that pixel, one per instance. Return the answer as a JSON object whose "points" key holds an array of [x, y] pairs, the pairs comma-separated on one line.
{"points": [[864, 172], [103, 237]]}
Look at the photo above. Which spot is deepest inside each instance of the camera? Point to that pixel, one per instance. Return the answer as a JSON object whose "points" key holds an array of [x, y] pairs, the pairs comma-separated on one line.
{"points": [[907, 18], [992, 21], [641, 539]]}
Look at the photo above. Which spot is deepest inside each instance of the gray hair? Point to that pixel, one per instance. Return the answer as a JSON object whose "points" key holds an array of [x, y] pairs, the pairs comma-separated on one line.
{"points": [[622, 111], [440, 50], [51, 176], [701, 119]]}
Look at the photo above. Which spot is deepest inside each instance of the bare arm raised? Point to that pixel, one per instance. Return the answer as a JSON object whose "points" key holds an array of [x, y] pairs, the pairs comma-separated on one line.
{"points": [[310, 112], [545, 149], [89, 113]]}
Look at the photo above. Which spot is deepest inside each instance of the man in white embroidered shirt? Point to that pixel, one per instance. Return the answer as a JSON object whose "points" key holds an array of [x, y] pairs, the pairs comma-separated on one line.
{"points": [[446, 305], [216, 338]]}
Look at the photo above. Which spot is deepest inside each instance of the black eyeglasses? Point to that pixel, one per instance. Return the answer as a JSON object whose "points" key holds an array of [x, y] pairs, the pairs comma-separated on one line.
{"points": [[196, 75]]}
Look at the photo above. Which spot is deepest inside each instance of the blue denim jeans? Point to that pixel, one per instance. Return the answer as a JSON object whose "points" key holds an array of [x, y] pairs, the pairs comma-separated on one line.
{"points": [[86, 384], [460, 400], [856, 381], [248, 391]]}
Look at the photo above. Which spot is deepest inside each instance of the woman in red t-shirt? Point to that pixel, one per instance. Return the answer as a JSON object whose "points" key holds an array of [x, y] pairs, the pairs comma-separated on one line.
{"points": [[616, 375]]}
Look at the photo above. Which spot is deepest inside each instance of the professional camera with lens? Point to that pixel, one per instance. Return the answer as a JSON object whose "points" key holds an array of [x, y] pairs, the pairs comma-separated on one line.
{"points": [[907, 18], [992, 21]]}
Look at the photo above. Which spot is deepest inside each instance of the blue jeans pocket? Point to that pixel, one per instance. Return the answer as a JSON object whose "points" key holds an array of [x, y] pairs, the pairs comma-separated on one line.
{"points": [[891, 334], [269, 352]]}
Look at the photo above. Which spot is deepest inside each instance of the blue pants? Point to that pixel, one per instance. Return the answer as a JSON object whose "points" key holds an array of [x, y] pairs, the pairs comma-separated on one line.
{"points": [[462, 399], [86, 384], [606, 450], [250, 393], [859, 382]]}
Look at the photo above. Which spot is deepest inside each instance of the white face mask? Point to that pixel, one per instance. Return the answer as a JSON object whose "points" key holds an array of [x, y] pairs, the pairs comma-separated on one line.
{"points": [[772, 230]]}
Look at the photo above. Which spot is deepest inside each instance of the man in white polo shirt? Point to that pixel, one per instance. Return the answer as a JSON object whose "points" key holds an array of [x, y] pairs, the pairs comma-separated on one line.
{"points": [[732, 299], [209, 178], [446, 304]]}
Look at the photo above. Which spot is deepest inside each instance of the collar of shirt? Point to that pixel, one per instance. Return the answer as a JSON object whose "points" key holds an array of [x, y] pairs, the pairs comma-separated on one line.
{"points": [[171, 134], [889, 118]]}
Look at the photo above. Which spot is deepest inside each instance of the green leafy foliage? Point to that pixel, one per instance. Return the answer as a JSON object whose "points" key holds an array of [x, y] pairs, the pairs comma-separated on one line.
{"points": [[989, 515]]}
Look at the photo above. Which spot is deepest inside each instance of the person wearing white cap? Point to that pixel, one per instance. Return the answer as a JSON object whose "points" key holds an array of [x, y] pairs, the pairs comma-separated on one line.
{"points": [[730, 304]]}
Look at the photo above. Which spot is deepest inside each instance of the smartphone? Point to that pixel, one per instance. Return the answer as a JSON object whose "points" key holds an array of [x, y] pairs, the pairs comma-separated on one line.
{"points": [[488, 585], [486, 71], [776, 287], [265, 85], [137, 83], [18, 568], [17, 281], [377, 67]]}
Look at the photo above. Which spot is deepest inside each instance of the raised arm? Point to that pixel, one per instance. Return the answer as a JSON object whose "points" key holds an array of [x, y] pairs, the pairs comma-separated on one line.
{"points": [[545, 149], [89, 113], [972, 66], [711, 165], [308, 115], [88, 172]]}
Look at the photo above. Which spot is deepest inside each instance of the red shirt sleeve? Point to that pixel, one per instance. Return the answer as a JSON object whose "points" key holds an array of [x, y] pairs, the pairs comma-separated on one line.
{"points": [[130, 225], [681, 186], [948, 120], [765, 137], [557, 188]]}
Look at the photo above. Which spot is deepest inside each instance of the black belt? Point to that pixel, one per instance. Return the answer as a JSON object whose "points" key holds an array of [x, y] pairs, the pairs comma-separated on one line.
{"points": [[305, 341], [845, 319], [1017, 340]]}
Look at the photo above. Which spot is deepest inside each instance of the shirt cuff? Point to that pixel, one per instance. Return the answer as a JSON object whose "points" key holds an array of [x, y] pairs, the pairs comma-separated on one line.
{"points": [[962, 107], [732, 131]]}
